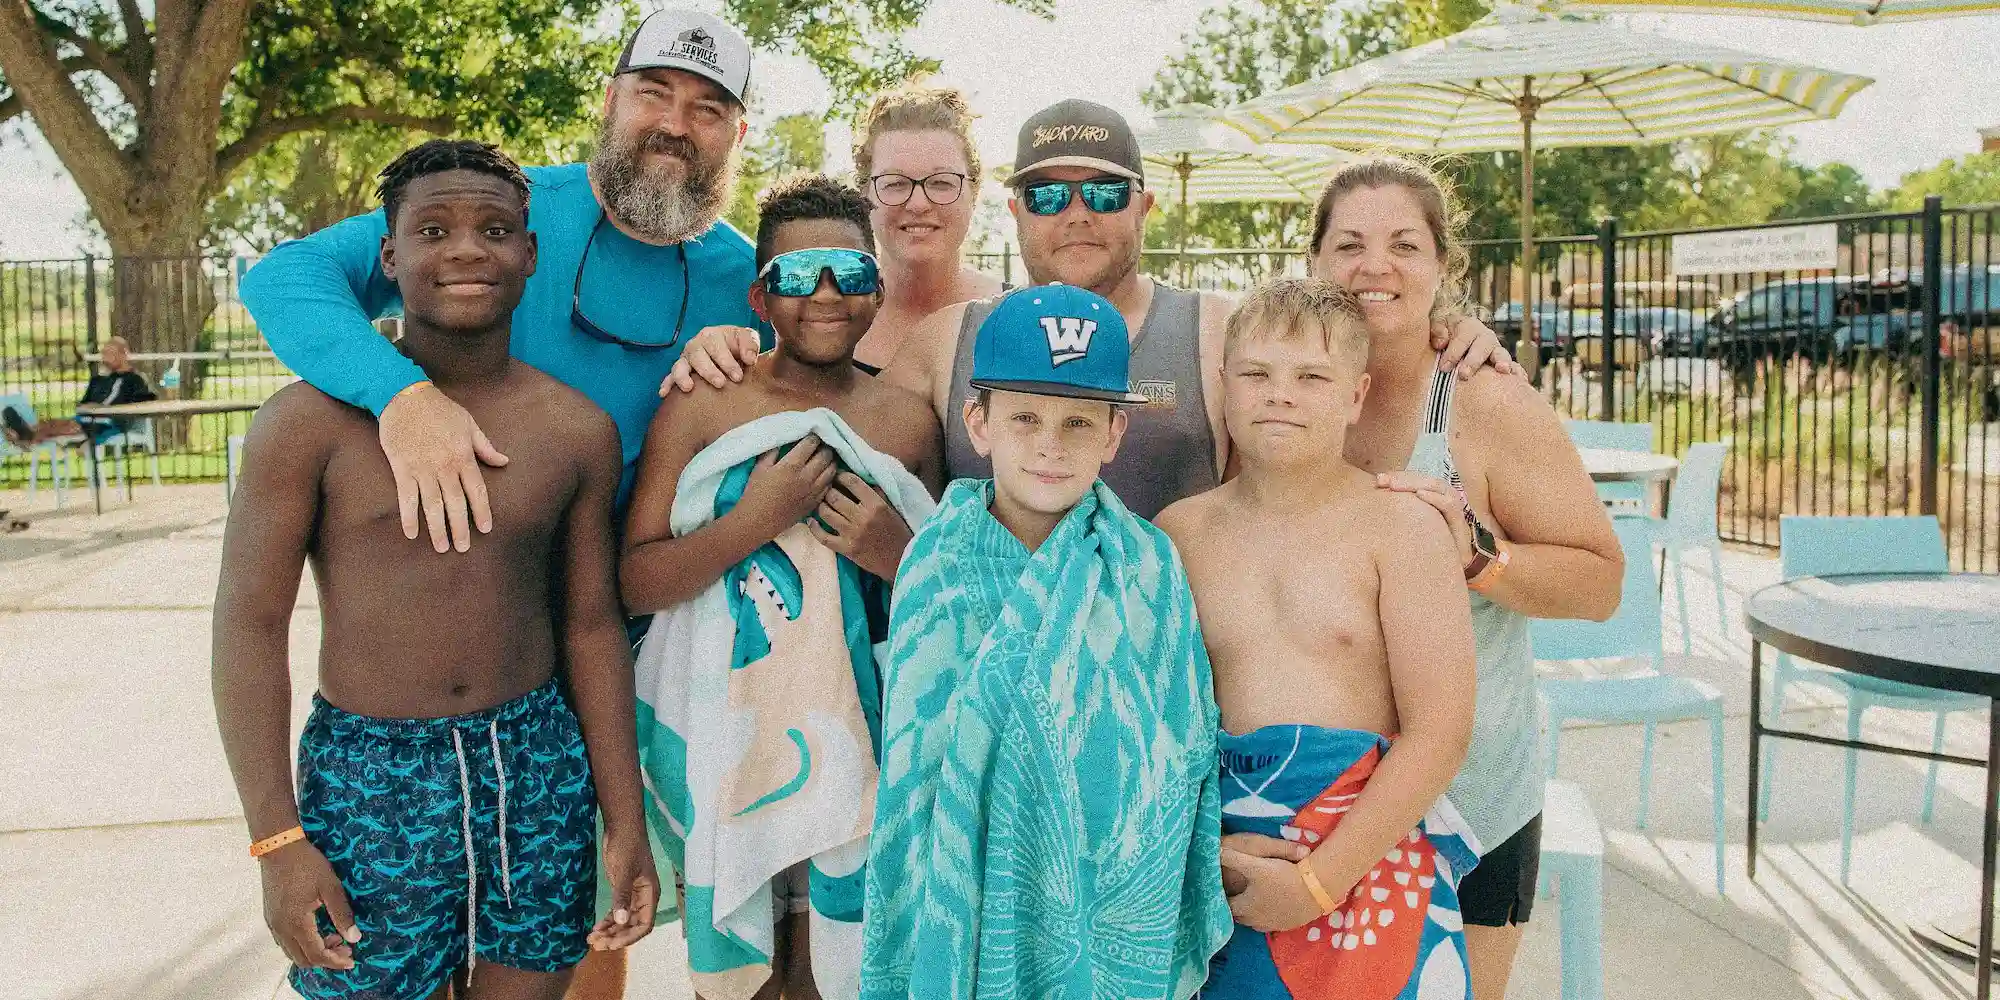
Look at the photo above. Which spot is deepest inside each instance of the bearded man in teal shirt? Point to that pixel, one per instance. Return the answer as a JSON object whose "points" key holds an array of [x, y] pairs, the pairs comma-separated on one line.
{"points": [[634, 262]]}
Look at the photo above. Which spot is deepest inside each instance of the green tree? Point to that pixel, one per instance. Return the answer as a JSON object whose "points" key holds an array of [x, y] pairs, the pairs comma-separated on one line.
{"points": [[1972, 180], [152, 112], [1829, 189], [792, 143]]}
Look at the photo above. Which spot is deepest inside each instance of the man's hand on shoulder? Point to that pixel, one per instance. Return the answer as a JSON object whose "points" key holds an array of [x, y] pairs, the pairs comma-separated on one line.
{"points": [[718, 355], [435, 450]]}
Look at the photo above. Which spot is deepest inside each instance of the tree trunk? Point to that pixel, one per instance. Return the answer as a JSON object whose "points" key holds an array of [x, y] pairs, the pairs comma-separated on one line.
{"points": [[162, 293]]}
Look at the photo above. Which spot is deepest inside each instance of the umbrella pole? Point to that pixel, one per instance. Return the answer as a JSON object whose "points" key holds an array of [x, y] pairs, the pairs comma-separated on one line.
{"points": [[1530, 345], [1184, 168]]}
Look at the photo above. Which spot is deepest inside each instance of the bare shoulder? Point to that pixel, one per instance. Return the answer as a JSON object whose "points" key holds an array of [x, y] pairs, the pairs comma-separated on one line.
{"points": [[901, 419], [1185, 520], [569, 413], [300, 413], [1500, 403], [1405, 529], [1216, 308]]}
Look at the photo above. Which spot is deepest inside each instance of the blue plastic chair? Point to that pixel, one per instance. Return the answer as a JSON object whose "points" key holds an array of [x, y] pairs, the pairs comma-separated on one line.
{"points": [[56, 450], [1650, 696], [1573, 871], [1819, 546], [112, 442], [1615, 436], [1691, 524]]}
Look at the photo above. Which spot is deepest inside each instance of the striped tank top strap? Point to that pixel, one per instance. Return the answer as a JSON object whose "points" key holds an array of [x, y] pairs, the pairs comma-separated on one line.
{"points": [[1437, 404]]}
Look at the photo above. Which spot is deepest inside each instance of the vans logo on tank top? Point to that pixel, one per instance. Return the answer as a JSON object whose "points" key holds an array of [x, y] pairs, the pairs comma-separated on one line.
{"points": [[1160, 395]]}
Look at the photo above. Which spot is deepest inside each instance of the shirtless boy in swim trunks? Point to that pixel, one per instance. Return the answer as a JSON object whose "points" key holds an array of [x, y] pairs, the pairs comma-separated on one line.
{"points": [[1335, 617], [447, 789]]}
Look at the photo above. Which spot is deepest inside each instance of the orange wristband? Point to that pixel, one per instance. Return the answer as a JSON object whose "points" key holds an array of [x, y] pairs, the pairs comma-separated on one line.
{"points": [[1494, 569], [1319, 894], [277, 840]]}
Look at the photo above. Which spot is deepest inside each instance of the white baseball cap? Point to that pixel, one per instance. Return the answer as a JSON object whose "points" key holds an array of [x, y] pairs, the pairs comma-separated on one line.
{"points": [[692, 41]]}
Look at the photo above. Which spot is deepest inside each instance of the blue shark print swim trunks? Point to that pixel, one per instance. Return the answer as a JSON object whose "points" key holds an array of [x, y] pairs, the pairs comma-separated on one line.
{"points": [[483, 822]]}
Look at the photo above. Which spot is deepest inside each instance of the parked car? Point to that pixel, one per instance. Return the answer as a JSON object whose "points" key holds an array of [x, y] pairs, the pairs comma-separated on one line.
{"points": [[1670, 331], [1506, 324], [1631, 343]]}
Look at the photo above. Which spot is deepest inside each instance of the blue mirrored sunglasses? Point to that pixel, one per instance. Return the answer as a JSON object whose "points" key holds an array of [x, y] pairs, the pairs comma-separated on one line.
{"points": [[1102, 195], [796, 275]]}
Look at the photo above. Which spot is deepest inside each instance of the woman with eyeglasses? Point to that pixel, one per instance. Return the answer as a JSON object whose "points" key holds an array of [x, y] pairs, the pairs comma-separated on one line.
{"points": [[915, 160]]}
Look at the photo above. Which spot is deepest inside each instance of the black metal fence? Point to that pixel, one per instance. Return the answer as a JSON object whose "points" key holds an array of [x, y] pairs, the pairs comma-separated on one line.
{"points": [[1855, 386], [1858, 386], [188, 333]]}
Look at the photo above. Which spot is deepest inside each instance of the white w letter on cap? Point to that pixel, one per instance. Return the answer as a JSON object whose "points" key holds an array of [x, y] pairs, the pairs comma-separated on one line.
{"points": [[1069, 337]]}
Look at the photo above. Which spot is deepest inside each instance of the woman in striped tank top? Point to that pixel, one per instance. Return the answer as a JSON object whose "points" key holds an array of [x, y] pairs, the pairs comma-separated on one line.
{"points": [[1490, 454]]}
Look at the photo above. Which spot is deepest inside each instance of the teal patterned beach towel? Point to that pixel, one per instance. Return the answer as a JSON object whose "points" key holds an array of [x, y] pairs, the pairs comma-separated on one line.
{"points": [[759, 721], [1048, 824]]}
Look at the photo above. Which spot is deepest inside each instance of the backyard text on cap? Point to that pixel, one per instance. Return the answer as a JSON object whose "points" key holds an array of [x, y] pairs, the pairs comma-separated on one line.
{"points": [[693, 42], [1076, 133]]}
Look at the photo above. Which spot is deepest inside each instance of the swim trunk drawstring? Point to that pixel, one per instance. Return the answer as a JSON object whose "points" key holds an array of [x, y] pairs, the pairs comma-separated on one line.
{"points": [[471, 869], [500, 772], [465, 829]]}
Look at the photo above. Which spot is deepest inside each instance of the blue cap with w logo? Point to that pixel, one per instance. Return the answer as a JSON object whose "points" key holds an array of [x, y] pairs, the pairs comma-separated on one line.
{"points": [[1055, 340]]}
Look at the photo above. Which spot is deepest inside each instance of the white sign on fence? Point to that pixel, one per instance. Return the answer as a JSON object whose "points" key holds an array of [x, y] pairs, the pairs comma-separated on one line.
{"points": [[1790, 248]]}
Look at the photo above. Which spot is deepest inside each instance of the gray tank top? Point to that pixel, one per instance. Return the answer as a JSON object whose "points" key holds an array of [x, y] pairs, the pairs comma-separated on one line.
{"points": [[1499, 788], [1169, 449]]}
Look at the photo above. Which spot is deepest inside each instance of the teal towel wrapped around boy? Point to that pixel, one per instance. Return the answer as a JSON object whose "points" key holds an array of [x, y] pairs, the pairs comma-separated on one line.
{"points": [[1048, 822]]}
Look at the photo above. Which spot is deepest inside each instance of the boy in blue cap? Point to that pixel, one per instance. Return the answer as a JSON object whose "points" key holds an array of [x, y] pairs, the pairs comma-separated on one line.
{"points": [[1048, 820]]}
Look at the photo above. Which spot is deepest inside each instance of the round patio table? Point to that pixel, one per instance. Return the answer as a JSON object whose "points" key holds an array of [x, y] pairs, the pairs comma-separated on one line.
{"points": [[1934, 630], [1609, 465]]}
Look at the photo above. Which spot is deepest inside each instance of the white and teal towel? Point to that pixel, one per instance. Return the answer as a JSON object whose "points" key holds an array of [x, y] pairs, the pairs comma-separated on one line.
{"points": [[759, 721], [1048, 824]]}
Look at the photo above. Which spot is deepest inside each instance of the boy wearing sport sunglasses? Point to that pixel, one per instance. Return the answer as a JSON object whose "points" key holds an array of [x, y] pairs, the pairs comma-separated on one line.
{"points": [[773, 513]]}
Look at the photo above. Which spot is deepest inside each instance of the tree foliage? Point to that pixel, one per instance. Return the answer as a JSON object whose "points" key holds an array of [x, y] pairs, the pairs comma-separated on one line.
{"points": [[792, 143], [1972, 180]]}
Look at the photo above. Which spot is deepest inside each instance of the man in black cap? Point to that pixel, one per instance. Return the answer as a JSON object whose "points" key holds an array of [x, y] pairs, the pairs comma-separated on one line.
{"points": [[1080, 206]]}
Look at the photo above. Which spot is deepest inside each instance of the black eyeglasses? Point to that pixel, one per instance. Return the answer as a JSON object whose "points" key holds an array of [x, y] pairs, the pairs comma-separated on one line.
{"points": [[895, 190], [582, 322]]}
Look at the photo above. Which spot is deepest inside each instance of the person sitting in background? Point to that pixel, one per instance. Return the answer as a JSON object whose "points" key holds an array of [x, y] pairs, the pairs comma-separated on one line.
{"points": [[113, 382]]}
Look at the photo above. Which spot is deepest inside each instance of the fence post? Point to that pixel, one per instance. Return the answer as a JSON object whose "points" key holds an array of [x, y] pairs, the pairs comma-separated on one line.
{"points": [[90, 300], [1607, 249], [1006, 263], [1933, 305]]}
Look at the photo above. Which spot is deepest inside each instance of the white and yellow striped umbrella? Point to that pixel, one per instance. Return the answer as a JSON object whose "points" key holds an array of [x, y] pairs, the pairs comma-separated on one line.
{"points": [[1523, 78], [1861, 12], [1191, 150]]}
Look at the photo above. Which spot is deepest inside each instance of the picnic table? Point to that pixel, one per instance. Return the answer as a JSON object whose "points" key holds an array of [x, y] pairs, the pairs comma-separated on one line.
{"points": [[1934, 630], [153, 408]]}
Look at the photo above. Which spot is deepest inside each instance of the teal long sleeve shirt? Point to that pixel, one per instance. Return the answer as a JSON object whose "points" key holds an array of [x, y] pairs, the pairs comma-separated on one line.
{"points": [[315, 300]]}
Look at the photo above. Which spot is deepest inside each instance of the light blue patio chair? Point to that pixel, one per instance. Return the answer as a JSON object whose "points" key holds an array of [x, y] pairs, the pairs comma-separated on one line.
{"points": [[58, 451], [1573, 871], [1648, 696], [113, 442], [1626, 498], [1820, 546], [1691, 524]]}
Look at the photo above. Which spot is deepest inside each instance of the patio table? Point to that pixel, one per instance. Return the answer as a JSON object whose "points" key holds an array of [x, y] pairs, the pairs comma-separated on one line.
{"points": [[1935, 630], [153, 408], [1609, 465]]}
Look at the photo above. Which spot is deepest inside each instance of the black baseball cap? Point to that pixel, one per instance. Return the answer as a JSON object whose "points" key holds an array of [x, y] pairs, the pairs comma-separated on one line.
{"points": [[1077, 133]]}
